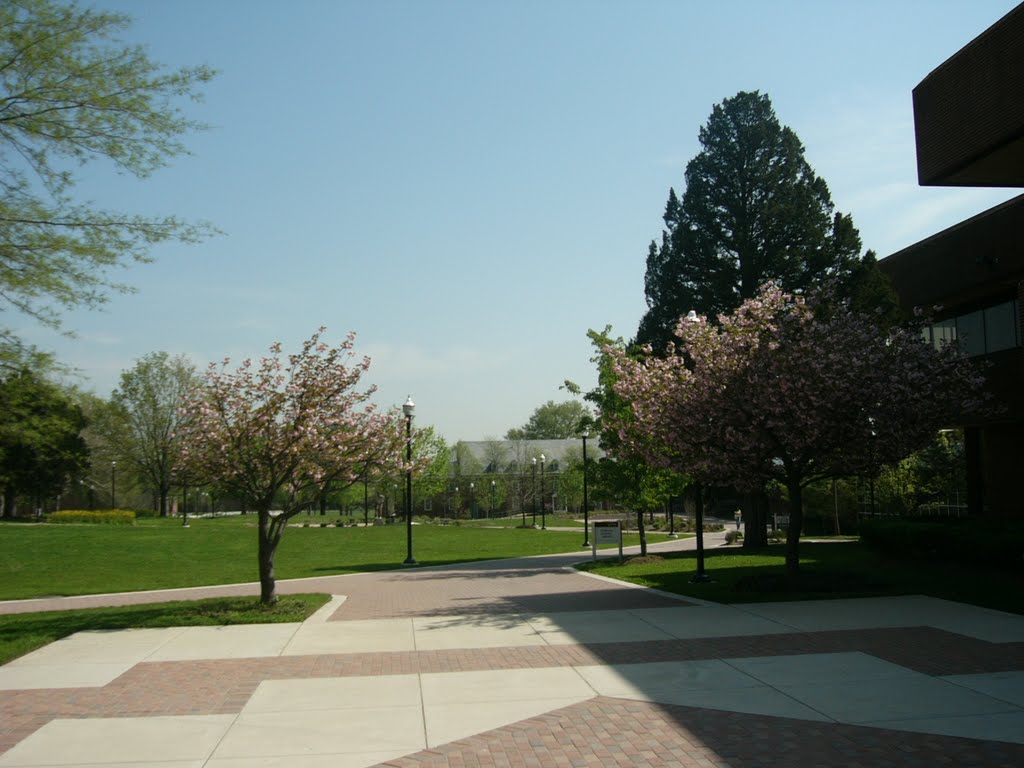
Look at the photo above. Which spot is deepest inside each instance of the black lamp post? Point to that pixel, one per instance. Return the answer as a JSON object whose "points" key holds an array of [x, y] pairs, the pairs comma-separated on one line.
{"points": [[113, 485], [366, 495], [543, 507], [493, 486], [586, 506], [701, 575], [408, 409], [534, 462], [472, 501]]}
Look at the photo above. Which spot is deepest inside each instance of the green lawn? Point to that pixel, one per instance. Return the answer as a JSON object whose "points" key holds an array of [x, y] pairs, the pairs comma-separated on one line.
{"points": [[829, 570], [47, 560], [21, 633]]}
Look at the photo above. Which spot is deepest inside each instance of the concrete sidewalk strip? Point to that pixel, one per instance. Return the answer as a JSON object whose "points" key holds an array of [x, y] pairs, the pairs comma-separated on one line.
{"points": [[998, 727], [1005, 686], [107, 741], [474, 631], [359, 636], [576, 627], [238, 641], [906, 611], [88, 659], [821, 668], [880, 701], [397, 730], [710, 620], [334, 693], [630, 680]]}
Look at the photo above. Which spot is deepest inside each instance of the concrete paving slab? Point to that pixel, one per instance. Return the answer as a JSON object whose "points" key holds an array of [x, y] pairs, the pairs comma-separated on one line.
{"points": [[1005, 686], [343, 760], [334, 693], [999, 727], [107, 741], [325, 732], [818, 668], [450, 722], [240, 641], [363, 636], [906, 611], [114, 646], [629, 680], [474, 631], [761, 700], [883, 700], [503, 685], [72, 675], [572, 627], [709, 620], [88, 659]]}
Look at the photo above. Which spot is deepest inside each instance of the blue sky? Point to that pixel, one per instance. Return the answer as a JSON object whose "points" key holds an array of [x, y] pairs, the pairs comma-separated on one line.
{"points": [[470, 186]]}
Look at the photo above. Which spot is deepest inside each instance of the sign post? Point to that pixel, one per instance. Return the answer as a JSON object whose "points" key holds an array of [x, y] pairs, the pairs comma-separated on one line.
{"points": [[606, 532]]}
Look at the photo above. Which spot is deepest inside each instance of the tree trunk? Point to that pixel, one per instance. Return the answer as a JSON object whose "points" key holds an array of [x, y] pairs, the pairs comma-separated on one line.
{"points": [[643, 532], [10, 501], [269, 538], [796, 523], [755, 519], [163, 500]]}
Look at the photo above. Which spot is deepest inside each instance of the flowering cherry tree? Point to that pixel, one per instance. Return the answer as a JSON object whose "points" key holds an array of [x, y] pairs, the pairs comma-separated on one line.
{"points": [[276, 431], [791, 390]]}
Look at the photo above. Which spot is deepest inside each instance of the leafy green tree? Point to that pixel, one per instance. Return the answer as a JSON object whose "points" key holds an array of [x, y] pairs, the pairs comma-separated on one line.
{"points": [[552, 421], [70, 93], [753, 210], [41, 444], [622, 474], [143, 422]]}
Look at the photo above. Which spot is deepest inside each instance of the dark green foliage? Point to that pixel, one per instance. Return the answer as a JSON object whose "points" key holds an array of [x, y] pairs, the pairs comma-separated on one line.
{"points": [[753, 210], [978, 541], [41, 445]]}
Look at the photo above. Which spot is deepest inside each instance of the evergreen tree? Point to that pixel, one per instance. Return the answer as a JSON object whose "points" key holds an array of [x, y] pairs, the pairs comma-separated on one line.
{"points": [[753, 210]]}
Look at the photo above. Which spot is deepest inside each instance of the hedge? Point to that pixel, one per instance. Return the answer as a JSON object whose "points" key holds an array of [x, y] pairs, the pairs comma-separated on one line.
{"points": [[979, 541], [106, 516]]}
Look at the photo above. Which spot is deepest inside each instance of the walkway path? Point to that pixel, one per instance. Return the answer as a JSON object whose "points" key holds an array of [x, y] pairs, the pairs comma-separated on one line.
{"points": [[525, 663]]}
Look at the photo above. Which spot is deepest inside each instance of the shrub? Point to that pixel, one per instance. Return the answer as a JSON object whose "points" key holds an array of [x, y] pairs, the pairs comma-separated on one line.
{"points": [[731, 537], [105, 516], [965, 540]]}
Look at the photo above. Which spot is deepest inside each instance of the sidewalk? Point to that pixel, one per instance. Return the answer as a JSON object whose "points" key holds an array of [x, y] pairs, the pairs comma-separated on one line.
{"points": [[526, 663]]}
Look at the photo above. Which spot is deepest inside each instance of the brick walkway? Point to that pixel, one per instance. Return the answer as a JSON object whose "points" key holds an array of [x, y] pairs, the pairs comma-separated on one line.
{"points": [[601, 731]]}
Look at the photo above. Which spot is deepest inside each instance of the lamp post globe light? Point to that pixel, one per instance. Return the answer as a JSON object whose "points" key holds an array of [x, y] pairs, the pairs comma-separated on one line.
{"points": [[493, 487], [472, 501], [113, 485], [586, 507], [408, 409], [543, 507]]}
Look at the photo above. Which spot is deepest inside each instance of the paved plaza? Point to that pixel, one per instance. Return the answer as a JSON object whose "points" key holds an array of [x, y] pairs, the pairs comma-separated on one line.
{"points": [[526, 663]]}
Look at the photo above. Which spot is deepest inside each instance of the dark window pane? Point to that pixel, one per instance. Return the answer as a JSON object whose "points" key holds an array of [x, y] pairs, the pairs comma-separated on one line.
{"points": [[970, 331], [1000, 327]]}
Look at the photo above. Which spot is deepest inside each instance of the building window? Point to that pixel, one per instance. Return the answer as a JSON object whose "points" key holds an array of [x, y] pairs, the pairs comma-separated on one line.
{"points": [[982, 332], [1001, 326]]}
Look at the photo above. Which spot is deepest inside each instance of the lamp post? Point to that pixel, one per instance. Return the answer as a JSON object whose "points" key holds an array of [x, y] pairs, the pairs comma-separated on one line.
{"points": [[113, 485], [701, 575], [366, 495], [408, 409], [586, 506], [184, 505], [533, 461], [472, 501], [493, 487], [543, 507]]}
